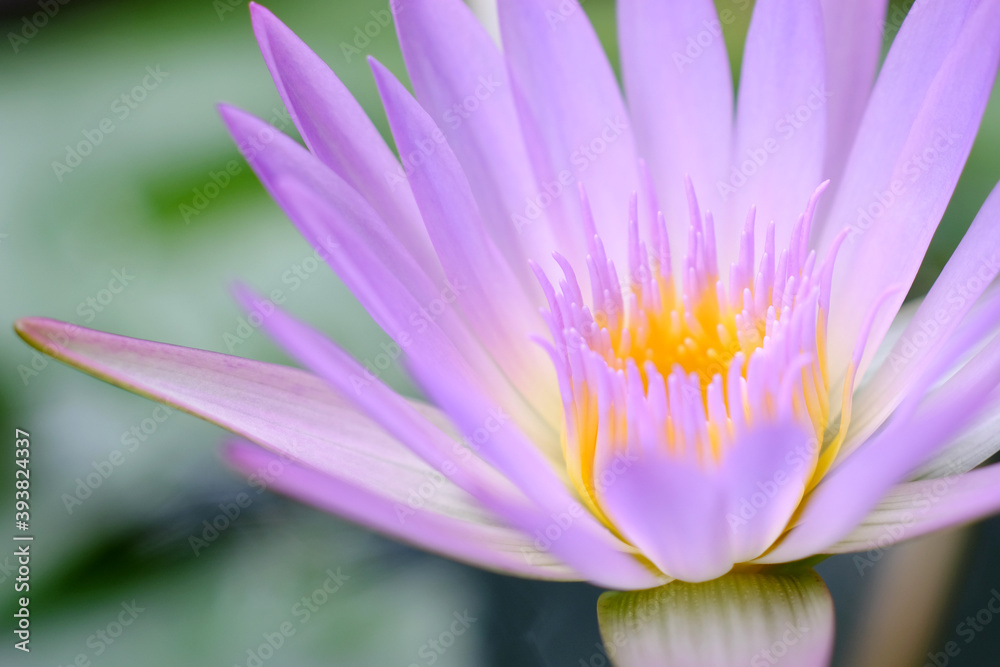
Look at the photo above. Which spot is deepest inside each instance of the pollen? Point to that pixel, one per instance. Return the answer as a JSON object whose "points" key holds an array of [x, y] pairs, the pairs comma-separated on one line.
{"points": [[683, 358]]}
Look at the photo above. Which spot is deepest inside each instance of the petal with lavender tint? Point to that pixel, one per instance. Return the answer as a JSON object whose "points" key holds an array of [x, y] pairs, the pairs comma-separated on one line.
{"points": [[973, 447], [969, 271], [298, 417], [694, 521], [912, 145], [766, 474], [557, 522], [422, 324], [674, 511], [916, 508], [681, 103], [739, 619], [854, 30], [467, 253], [480, 541], [460, 78], [357, 244], [572, 113], [920, 428], [337, 130], [777, 159]]}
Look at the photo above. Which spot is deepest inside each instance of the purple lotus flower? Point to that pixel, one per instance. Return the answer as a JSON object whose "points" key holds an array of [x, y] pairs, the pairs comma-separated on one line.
{"points": [[660, 341]]}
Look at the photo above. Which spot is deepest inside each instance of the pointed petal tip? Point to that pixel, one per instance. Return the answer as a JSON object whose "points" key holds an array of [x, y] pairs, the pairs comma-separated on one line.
{"points": [[40, 332]]}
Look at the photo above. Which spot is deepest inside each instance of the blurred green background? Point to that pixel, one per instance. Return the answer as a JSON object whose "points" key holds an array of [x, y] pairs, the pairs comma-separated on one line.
{"points": [[123, 209]]}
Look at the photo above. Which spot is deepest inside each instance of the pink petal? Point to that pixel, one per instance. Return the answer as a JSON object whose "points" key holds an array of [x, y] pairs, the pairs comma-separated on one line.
{"points": [[854, 31], [553, 517], [910, 150], [969, 271], [780, 136], [425, 323], [911, 437], [694, 522], [460, 78], [974, 446], [674, 512], [913, 509], [476, 538], [305, 424], [337, 130], [492, 300], [680, 96], [571, 110]]}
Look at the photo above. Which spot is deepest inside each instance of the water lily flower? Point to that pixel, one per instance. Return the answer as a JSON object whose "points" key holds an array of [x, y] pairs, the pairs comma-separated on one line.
{"points": [[660, 334]]}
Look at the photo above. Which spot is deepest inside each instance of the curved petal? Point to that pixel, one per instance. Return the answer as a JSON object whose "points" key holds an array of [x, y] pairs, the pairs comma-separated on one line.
{"points": [[552, 517], [460, 78], [777, 160], [766, 476], [695, 523], [911, 437], [966, 276], [680, 96], [912, 145], [425, 324], [298, 417], [674, 512], [576, 125], [391, 507], [740, 619], [337, 130], [854, 30], [359, 247], [492, 300], [274, 156], [974, 446], [916, 508]]}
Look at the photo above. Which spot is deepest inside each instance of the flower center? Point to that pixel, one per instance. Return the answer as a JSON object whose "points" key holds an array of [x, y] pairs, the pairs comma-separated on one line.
{"points": [[686, 361]]}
